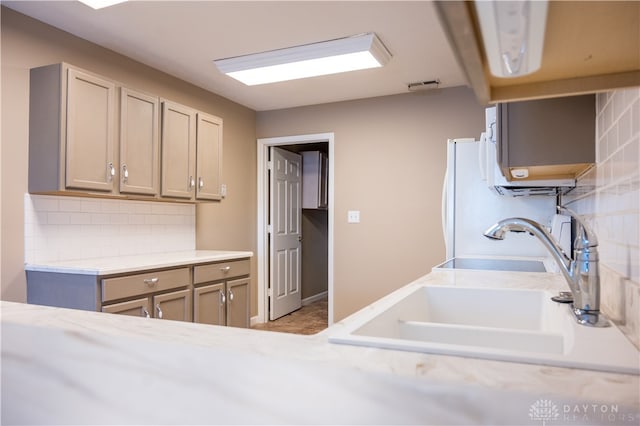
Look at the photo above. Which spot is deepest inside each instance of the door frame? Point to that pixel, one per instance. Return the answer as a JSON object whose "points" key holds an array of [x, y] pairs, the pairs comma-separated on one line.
{"points": [[263, 214]]}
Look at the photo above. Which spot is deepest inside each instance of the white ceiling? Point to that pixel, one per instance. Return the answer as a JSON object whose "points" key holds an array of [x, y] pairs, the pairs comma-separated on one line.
{"points": [[182, 38]]}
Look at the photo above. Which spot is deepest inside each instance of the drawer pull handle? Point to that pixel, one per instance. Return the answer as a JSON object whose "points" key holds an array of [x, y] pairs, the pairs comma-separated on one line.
{"points": [[151, 281], [223, 299], [230, 296], [226, 269], [159, 311], [145, 313]]}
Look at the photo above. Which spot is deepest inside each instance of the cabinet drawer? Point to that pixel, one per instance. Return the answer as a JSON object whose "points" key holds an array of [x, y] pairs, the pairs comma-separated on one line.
{"points": [[134, 285], [221, 271]]}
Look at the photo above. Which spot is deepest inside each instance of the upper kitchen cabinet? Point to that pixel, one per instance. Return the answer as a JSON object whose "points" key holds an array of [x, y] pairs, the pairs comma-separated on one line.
{"points": [[139, 143], [208, 157], [588, 47], [178, 150], [71, 130], [547, 138], [92, 135]]}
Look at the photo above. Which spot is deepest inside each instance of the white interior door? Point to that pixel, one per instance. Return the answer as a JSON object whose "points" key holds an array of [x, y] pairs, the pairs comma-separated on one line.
{"points": [[285, 248]]}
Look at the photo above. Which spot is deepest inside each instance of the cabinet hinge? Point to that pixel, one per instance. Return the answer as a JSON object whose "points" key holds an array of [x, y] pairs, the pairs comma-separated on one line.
{"points": [[270, 229], [269, 165], [270, 292]]}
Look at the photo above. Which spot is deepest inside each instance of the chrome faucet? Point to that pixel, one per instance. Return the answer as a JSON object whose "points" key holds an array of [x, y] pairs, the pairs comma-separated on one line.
{"points": [[581, 272]]}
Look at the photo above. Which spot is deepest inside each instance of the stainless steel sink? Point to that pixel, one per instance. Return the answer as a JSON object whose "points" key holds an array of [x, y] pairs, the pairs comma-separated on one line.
{"points": [[514, 265]]}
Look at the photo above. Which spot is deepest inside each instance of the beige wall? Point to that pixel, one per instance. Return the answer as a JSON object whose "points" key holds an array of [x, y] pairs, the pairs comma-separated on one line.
{"points": [[28, 43], [390, 157]]}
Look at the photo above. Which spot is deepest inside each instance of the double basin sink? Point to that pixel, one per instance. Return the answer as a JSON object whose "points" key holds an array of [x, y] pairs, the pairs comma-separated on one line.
{"points": [[507, 324]]}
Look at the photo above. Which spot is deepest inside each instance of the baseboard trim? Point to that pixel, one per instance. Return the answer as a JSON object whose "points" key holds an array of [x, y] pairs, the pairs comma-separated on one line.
{"points": [[315, 298], [253, 321]]}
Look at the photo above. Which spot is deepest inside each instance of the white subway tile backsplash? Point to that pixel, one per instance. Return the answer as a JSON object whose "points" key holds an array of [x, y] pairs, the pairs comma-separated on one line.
{"points": [[90, 206], [142, 208], [635, 112], [80, 218], [48, 204], [69, 205], [100, 219], [58, 218], [63, 228], [612, 205]]}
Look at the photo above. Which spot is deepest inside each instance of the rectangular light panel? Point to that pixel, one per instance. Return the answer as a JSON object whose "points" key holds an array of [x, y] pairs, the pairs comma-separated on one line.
{"points": [[99, 4], [310, 60]]}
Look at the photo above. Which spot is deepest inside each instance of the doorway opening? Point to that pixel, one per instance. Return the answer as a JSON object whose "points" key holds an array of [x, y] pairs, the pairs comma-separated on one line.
{"points": [[316, 223]]}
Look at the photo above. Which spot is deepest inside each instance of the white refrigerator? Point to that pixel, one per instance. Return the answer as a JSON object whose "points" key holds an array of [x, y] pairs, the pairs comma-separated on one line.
{"points": [[469, 207]]}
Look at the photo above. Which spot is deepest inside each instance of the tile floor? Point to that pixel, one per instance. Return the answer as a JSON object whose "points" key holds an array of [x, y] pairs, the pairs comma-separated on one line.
{"points": [[310, 319]]}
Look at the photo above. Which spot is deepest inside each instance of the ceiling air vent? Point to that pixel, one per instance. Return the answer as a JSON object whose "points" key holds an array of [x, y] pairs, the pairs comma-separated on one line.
{"points": [[423, 85]]}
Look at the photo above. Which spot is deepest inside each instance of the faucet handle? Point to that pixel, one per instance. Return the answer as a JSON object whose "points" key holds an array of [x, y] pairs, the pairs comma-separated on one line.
{"points": [[585, 237]]}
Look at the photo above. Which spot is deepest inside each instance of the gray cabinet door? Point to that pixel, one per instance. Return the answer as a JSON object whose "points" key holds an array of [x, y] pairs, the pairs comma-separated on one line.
{"points": [[315, 180], [139, 143], [135, 308], [209, 304], [173, 306], [209, 157], [89, 132], [178, 150], [238, 314], [546, 132]]}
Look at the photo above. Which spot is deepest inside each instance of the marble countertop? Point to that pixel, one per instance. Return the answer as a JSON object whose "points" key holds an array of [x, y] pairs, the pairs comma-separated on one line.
{"points": [[78, 367], [125, 264]]}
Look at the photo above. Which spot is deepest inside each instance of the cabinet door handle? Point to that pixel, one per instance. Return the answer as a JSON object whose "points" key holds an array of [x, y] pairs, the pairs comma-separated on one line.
{"points": [[223, 299], [230, 296], [125, 174], [159, 311], [200, 183], [111, 172], [145, 313], [226, 269], [151, 281], [192, 183]]}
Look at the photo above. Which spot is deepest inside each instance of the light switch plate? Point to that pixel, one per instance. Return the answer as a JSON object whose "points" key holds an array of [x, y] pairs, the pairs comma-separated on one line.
{"points": [[223, 190], [353, 216]]}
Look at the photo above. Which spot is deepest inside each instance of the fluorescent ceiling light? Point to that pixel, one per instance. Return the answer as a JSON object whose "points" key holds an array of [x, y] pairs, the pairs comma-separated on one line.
{"points": [[513, 35], [309, 60], [99, 4]]}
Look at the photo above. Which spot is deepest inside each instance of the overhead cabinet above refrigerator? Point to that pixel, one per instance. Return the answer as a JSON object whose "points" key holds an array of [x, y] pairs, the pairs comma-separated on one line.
{"points": [[545, 139]]}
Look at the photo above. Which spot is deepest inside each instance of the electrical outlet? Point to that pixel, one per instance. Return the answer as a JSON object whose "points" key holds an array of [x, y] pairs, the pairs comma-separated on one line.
{"points": [[223, 190], [353, 216]]}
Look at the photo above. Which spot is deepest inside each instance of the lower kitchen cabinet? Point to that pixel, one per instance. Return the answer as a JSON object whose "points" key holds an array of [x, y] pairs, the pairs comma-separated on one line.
{"points": [[238, 303], [225, 303], [150, 294], [134, 308], [209, 304], [210, 293], [172, 306], [221, 294]]}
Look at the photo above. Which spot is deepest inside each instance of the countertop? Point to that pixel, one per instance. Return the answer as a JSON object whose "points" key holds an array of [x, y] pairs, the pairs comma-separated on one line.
{"points": [[79, 367], [141, 262]]}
